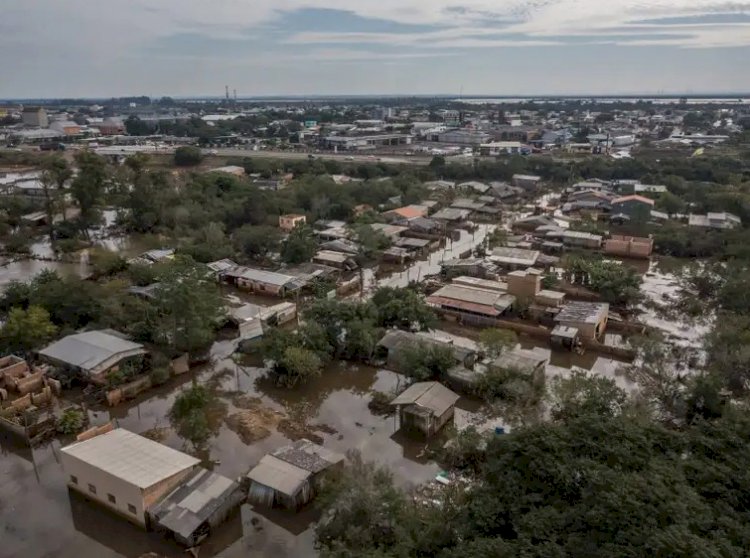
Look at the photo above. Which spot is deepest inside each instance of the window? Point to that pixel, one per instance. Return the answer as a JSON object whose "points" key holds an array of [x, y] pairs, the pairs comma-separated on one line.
{"points": [[92, 489], [74, 479], [112, 499], [131, 509]]}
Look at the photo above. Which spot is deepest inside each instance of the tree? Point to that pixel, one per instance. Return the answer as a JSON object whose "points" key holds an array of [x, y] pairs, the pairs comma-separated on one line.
{"points": [[187, 156], [583, 394], [297, 365], [188, 307], [26, 330], [616, 283], [403, 308], [425, 361], [72, 421], [300, 246], [670, 204], [189, 413], [88, 186], [497, 341], [256, 241], [57, 170], [134, 126]]}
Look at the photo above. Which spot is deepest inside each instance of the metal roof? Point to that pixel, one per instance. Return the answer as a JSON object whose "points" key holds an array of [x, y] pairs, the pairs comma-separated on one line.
{"points": [[520, 359], [515, 256], [193, 502], [583, 312], [452, 214], [90, 349], [308, 456], [279, 475], [131, 458], [261, 276], [487, 284], [432, 396], [475, 295]]}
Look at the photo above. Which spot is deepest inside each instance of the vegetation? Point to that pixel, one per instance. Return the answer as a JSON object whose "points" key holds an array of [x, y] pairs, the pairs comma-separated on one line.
{"points": [[71, 421], [300, 246], [616, 283], [25, 330], [187, 156], [494, 342], [425, 361], [189, 413]]}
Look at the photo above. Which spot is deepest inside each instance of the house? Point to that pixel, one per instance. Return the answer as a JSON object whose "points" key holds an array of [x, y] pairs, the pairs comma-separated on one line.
{"points": [[526, 181], [66, 127], [261, 281], [421, 225], [408, 212], [472, 267], [92, 354], [425, 407], [514, 258], [291, 475], [440, 185], [634, 206], [338, 260], [391, 231], [526, 361], [452, 215], [590, 318], [479, 187], [289, 222], [125, 472], [722, 220], [342, 245], [527, 285], [486, 284], [504, 192], [579, 239], [629, 246], [471, 302], [251, 319], [220, 266], [199, 504], [393, 344], [496, 148]]}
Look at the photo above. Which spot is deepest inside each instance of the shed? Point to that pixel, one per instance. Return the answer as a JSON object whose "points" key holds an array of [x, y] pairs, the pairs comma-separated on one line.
{"points": [[590, 318], [290, 475], [564, 336], [426, 407], [200, 503], [92, 353]]}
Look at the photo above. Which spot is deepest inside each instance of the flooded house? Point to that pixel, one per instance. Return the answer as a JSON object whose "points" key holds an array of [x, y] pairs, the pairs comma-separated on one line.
{"points": [[425, 407], [92, 355], [589, 318], [202, 502], [338, 260], [629, 246], [290, 476], [471, 304], [251, 320], [125, 472], [470, 267], [261, 281], [514, 258], [526, 181]]}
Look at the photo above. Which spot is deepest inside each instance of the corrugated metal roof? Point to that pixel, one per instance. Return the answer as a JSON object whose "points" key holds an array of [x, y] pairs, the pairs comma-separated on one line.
{"points": [[132, 458], [261, 276], [193, 502], [308, 456], [432, 396], [583, 312], [90, 349], [475, 295], [279, 475]]}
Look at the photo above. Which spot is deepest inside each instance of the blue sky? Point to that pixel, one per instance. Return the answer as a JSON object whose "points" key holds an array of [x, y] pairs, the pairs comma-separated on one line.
{"points": [[307, 47]]}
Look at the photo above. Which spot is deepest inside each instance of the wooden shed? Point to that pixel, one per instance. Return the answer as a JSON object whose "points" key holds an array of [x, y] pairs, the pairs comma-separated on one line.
{"points": [[425, 407]]}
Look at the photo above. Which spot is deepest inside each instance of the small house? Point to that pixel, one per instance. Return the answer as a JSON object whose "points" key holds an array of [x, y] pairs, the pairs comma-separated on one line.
{"points": [[514, 258], [590, 318], [290, 476], [289, 222], [723, 220], [471, 302], [526, 181], [396, 341], [199, 504], [629, 246], [261, 281], [634, 206], [425, 407], [92, 354]]}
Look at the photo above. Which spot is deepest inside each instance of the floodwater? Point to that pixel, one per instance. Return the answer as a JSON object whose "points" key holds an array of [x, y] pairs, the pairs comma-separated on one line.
{"points": [[40, 518]]}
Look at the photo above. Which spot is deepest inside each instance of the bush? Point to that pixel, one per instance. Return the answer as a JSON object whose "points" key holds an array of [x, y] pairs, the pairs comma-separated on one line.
{"points": [[71, 421], [187, 156], [160, 375]]}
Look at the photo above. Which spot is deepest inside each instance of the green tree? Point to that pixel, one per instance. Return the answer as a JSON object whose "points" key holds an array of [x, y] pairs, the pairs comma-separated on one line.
{"points": [[26, 330], [189, 413], [88, 186], [584, 394], [300, 246], [425, 361], [256, 241], [188, 308], [670, 204], [57, 170], [494, 342], [187, 156], [403, 308], [297, 365]]}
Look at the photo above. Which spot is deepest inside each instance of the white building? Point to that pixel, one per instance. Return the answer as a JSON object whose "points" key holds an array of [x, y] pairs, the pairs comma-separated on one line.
{"points": [[125, 472]]}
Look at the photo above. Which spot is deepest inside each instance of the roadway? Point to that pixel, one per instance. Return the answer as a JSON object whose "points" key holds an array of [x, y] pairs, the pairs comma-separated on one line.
{"points": [[302, 156]]}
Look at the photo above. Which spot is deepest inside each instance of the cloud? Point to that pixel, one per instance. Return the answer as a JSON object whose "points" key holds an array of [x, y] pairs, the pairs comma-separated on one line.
{"points": [[135, 41]]}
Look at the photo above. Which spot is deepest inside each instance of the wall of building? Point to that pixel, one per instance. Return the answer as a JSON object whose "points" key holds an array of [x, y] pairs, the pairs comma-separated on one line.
{"points": [[527, 286], [156, 492], [105, 484]]}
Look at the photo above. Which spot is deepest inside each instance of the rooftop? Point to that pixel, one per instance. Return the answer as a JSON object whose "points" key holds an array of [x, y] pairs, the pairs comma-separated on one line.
{"points": [[583, 312], [432, 396], [90, 349], [132, 458], [516, 256], [633, 197], [521, 359], [261, 276]]}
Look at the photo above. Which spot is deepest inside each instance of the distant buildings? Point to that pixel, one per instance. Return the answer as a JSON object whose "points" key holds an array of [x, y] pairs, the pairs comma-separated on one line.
{"points": [[35, 116], [723, 220]]}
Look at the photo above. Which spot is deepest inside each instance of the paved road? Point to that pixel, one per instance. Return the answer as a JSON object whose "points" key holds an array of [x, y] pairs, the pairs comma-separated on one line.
{"points": [[344, 158]]}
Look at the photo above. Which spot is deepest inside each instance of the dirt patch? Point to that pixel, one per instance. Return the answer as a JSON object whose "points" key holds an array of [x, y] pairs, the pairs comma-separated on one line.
{"points": [[157, 434], [254, 421], [296, 431]]}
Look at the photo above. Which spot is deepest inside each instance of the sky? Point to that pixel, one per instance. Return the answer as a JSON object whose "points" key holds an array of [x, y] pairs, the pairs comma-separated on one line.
{"points": [[103, 48]]}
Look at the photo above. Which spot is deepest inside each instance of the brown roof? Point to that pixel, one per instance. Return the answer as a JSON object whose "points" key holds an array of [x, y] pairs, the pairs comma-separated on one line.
{"points": [[634, 197]]}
